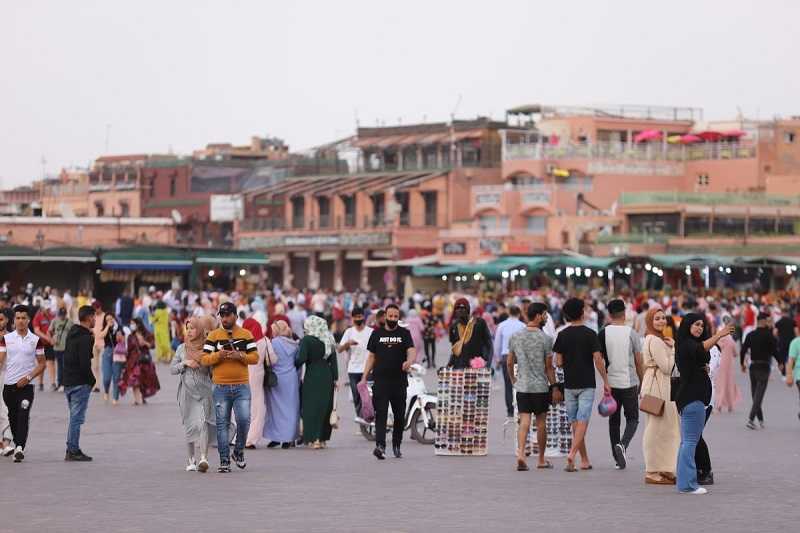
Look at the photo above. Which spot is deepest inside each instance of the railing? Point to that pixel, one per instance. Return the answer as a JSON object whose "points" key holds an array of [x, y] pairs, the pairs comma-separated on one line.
{"points": [[655, 151], [707, 198], [263, 224]]}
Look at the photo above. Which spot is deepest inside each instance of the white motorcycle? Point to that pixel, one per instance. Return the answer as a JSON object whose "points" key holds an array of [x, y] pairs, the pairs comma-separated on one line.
{"points": [[420, 413]]}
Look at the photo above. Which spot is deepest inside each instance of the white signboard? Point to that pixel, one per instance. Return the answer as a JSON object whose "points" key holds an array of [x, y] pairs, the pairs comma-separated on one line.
{"points": [[226, 207]]}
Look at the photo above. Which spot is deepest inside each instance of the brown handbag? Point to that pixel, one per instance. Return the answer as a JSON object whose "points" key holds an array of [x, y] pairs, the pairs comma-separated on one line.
{"points": [[652, 405]]}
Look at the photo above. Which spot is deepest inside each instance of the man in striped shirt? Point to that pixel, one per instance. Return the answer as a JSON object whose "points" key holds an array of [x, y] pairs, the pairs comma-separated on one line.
{"points": [[23, 353], [228, 350]]}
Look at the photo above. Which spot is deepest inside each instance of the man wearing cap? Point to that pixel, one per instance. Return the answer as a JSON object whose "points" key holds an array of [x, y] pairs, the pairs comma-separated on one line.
{"points": [[228, 350], [762, 347], [621, 347], [469, 336]]}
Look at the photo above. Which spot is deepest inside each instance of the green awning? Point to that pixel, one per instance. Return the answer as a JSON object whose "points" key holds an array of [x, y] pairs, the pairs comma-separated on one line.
{"points": [[146, 258], [65, 254], [427, 271], [230, 257]]}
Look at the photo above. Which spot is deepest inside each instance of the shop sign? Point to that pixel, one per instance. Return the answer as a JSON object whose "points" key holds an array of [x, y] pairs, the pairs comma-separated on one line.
{"points": [[454, 248], [316, 241], [491, 246], [485, 199]]}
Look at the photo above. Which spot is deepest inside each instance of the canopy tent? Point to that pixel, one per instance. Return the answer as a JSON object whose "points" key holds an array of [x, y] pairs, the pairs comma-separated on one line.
{"points": [[65, 254]]}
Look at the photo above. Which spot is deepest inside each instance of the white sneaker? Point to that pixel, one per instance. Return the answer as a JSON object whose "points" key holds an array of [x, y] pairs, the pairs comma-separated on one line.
{"points": [[7, 451], [19, 454], [191, 467], [699, 490]]}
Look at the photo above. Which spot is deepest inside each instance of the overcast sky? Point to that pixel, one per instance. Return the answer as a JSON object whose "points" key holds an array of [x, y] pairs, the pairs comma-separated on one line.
{"points": [[163, 75]]}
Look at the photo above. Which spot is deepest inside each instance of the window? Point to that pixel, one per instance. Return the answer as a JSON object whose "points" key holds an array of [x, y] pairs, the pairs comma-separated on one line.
{"points": [[100, 209], [172, 186], [324, 211], [666, 223], [579, 183], [152, 187], [402, 200], [298, 212], [789, 137], [378, 209], [761, 226], [430, 208], [349, 202], [124, 209], [493, 222], [695, 226], [728, 226], [537, 225], [789, 226], [702, 180]]}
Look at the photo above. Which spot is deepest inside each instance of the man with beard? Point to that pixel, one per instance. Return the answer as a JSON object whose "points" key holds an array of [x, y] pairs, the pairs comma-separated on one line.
{"points": [[469, 336]]}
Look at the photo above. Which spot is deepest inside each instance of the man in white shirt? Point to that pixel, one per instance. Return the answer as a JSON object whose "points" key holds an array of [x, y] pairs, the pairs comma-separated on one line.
{"points": [[354, 346], [501, 337], [621, 346], [23, 353]]}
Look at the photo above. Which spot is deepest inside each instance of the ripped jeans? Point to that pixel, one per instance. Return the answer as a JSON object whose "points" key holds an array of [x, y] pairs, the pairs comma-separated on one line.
{"points": [[227, 397]]}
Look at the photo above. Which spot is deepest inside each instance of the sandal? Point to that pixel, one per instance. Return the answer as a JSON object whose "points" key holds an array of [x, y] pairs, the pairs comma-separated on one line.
{"points": [[522, 466], [570, 467], [587, 467], [546, 466]]}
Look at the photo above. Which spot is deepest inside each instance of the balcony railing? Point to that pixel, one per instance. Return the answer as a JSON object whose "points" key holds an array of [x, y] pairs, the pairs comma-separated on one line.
{"points": [[655, 151], [263, 224], [707, 198]]}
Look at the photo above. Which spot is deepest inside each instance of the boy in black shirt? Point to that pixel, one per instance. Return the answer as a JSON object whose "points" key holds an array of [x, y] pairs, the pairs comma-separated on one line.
{"points": [[391, 352], [577, 350]]}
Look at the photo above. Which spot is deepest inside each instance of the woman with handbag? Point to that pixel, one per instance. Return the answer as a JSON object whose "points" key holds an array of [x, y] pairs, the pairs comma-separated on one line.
{"points": [[258, 409], [195, 399], [662, 429], [140, 371], [283, 399], [318, 354]]}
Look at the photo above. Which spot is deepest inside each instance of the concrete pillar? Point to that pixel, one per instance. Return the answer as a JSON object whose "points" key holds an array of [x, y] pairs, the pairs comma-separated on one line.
{"points": [[439, 157], [338, 272], [313, 272], [288, 278], [420, 162]]}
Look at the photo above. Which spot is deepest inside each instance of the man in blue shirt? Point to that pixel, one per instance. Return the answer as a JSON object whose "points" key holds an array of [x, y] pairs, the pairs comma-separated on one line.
{"points": [[501, 337]]}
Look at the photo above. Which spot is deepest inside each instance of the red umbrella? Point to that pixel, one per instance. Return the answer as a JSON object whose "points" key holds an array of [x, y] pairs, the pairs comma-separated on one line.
{"points": [[647, 135], [710, 136], [734, 133], [690, 139]]}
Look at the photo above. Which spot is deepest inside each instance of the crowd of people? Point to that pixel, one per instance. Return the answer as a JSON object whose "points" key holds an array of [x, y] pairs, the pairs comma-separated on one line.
{"points": [[262, 370]]}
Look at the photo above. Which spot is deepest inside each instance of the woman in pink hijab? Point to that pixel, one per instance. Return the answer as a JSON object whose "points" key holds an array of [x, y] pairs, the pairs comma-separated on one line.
{"points": [[258, 409], [726, 390]]}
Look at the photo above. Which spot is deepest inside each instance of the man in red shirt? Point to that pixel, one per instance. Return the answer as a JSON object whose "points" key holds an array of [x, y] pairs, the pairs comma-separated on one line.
{"points": [[41, 327]]}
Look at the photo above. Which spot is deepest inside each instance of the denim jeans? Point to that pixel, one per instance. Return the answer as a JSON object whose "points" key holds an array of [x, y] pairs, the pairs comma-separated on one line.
{"points": [[116, 373], [355, 377], [693, 419], [59, 367], [227, 397], [78, 401], [627, 400], [107, 362], [509, 387]]}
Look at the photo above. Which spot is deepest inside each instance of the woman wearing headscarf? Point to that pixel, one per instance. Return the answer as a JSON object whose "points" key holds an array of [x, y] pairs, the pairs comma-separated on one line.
{"points": [[317, 352], [140, 371], [727, 393], [694, 394], [661, 433], [160, 321], [195, 399], [469, 336], [276, 316], [413, 323], [283, 400], [258, 410]]}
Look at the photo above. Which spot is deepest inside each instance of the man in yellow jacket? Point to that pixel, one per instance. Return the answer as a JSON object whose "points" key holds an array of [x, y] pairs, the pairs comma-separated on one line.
{"points": [[228, 350]]}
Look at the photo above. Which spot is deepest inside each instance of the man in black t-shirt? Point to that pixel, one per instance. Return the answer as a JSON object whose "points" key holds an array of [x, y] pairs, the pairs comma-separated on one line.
{"points": [[578, 352], [785, 331], [391, 352]]}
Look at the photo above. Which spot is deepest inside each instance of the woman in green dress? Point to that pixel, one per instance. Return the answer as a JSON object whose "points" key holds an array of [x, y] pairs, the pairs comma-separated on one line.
{"points": [[317, 353]]}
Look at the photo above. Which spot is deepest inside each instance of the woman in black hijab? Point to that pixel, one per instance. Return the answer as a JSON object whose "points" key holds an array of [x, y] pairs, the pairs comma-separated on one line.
{"points": [[694, 393]]}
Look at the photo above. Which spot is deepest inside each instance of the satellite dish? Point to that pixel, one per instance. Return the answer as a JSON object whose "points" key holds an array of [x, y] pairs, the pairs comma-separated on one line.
{"points": [[176, 216]]}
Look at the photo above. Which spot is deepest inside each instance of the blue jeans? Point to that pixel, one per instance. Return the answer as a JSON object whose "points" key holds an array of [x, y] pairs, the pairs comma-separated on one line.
{"points": [[693, 420], [59, 367], [116, 373], [78, 401], [227, 397], [579, 404], [107, 361]]}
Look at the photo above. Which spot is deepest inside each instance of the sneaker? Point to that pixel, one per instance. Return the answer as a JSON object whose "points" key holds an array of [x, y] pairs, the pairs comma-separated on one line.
{"points": [[619, 456], [7, 451], [41, 386], [238, 458], [202, 466], [396, 452], [191, 467], [224, 468], [750, 425], [53, 387], [379, 453], [78, 456], [19, 454], [698, 490], [61, 388]]}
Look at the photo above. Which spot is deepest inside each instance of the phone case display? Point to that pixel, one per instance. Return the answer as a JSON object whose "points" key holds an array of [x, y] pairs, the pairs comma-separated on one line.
{"points": [[559, 431], [463, 411]]}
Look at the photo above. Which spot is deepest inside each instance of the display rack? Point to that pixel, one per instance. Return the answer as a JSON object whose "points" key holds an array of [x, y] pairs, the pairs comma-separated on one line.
{"points": [[463, 405]]}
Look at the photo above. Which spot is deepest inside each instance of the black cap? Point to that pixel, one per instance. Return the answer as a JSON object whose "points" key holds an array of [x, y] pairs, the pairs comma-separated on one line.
{"points": [[227, 309], [616, 306]]}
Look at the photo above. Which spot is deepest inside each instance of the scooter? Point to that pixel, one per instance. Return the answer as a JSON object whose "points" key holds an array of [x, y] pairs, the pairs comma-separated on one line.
{"points": [[420, 413]]}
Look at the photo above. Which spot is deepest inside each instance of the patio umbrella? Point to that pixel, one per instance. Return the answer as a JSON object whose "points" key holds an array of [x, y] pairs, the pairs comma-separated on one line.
{"points": [[647, 135], [690, 139], [734, 133], [674, 139], [710, 136]]}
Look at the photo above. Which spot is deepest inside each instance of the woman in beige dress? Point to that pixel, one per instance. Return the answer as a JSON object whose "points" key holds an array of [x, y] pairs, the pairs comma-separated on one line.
{"points": [[661, 433]]}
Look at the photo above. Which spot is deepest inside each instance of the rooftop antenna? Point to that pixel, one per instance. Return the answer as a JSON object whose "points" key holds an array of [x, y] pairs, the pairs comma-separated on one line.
{"points": [[455, 109]]}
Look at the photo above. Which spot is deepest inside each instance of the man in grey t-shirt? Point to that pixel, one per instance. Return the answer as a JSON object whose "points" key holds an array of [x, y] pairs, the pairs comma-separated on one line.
{"points": [[534, 380]]}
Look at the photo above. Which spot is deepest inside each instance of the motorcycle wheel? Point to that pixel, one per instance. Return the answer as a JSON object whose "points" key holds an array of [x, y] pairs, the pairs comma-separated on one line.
{"points": [[421, 433]]}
